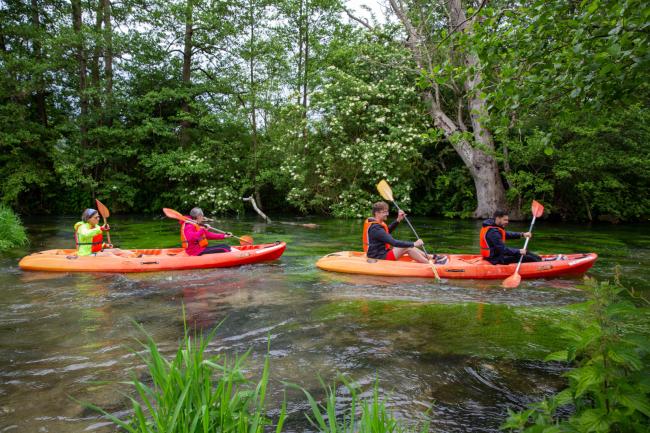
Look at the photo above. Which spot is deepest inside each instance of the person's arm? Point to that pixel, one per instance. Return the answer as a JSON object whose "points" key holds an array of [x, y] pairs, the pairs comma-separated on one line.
{"points": [[84, 230], [192, 234], [380, 235], [514, 235], [494, 240], [393, 226], [213, 236]]}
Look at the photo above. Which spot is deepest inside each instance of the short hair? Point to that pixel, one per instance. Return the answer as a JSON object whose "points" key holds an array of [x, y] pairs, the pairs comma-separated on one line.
{"points": [[379, 206], [500, 213], [88, 214], [196, 212]]}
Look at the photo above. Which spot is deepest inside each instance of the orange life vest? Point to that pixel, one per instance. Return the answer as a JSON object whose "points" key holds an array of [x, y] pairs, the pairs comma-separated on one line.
{"points": [[485, 248], [203, 241], [97, 242], [366, 226]]}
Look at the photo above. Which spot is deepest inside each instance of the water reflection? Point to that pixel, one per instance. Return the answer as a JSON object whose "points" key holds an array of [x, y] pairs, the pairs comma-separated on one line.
{"points": [[457, 354]]}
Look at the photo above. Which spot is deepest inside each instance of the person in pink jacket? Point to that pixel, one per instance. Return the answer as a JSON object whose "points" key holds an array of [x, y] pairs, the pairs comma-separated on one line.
{"points": [[194, 237]]}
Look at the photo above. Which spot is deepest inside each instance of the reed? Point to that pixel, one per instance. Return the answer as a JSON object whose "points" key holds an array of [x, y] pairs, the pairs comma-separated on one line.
{"points": [[194, 393], [12, 232]]}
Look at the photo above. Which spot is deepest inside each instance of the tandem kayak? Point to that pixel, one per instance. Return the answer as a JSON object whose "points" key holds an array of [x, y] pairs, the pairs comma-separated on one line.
{"points": [[149, 260], [457, 266]]}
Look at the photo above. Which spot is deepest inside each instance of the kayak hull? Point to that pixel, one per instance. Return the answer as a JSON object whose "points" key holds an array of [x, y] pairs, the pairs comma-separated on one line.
{"points": [[458, 266], [149, 260]]}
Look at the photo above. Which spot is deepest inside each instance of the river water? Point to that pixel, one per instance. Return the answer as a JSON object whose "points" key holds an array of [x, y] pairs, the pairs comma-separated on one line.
{"points": [[457, 353]]}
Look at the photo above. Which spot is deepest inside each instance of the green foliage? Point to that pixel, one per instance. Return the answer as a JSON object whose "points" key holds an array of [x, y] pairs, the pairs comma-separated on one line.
{"points": [[12, 232], [374, 418], [608, 387], [195, 393]]}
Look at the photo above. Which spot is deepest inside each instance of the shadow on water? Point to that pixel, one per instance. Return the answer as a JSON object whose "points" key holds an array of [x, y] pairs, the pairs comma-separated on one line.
{"points": [[457, 353]]}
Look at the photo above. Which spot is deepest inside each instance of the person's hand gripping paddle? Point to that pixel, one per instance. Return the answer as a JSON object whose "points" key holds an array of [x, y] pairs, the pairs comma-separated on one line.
{"points": [[387, 194], [103, 211], [513, 280]]}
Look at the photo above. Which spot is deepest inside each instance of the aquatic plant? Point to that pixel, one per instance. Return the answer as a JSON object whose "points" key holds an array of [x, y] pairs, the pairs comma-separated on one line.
{"points": [[374, 415], [12, 232], [197, 393], [609, 382]]}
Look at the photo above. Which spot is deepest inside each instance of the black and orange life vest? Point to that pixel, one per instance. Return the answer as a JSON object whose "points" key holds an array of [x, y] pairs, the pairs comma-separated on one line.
{"points": [[366, 226], [485, 248], [96, 243], [203, 240]]}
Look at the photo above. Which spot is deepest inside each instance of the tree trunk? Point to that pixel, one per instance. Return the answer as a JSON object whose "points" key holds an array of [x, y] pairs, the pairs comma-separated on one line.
{"points": [[81, 60], [40, 101], [253, 104], [483, 167], [187, 69], [94, 63], [300, 50], [108, 62], [306, 71]]}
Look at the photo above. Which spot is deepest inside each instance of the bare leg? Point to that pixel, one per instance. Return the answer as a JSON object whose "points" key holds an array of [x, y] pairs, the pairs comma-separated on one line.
{"points": [[414, 253]]}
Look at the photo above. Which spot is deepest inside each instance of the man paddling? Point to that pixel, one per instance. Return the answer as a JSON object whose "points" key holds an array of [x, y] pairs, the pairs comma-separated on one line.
{"points": [[493, 237], [379, 244]]}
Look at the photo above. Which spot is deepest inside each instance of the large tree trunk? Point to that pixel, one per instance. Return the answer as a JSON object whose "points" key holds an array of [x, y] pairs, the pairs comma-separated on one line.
{"points": [[40, 92], [95, 76], [306, 72], [253, 104], [108, 62], [490, 191], [187, 69], [81, 60]]}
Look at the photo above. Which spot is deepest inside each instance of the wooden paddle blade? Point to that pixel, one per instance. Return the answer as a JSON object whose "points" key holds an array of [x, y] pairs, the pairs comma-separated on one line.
{"points": [[384, 190], [512, 281], [537, 209], [171, 213], [103, 210], [246, 240]]}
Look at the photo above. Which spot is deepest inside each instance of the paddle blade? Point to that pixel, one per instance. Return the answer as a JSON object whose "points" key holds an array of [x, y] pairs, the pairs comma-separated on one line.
{"points": [[171, 213], [512, 281], [384, 190], [245, 240], [537, 209], [103, 210]]}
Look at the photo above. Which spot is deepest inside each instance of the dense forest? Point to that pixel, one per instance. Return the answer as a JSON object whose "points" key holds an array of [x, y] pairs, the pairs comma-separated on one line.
{"points": [[462, 106]]}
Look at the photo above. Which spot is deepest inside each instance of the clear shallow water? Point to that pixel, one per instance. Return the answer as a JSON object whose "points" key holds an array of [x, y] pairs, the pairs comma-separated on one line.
{"points": [[457, 354]]}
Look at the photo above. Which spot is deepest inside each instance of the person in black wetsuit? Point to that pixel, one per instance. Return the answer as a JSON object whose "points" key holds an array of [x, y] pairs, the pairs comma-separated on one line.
{"points": [[493, 237], [379, 244]]}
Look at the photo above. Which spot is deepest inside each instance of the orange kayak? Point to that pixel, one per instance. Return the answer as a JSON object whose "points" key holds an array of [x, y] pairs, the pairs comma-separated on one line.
{"points": [[149, 260], [458, 266]]}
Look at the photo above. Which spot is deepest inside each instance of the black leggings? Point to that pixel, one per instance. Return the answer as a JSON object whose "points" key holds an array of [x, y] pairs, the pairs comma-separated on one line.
{"points": [[529, 257], [221, 248]]}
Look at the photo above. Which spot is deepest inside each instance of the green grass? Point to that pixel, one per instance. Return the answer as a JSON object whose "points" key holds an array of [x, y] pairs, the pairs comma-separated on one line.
{"points": [[197, 393], [12, 232]]}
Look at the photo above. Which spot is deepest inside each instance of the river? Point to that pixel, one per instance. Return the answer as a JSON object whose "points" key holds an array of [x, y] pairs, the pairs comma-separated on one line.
{"points": [[457, 353]]}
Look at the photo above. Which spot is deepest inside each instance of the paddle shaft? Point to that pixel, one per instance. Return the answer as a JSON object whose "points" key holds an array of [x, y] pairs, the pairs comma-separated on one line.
{"points": [[209, 227], [433, 267], [108, 233], [532, 223]]}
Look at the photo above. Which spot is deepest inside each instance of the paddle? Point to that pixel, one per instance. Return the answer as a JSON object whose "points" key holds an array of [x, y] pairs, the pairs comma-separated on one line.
{"points": [[513, 280], [387, 194], [171, 213], [103, 211]]}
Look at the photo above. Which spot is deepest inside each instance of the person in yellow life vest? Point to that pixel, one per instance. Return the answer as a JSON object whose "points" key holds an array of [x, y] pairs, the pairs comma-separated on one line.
{"points": [[194, 237], [493, 237], [378, 242], [89, 238]]}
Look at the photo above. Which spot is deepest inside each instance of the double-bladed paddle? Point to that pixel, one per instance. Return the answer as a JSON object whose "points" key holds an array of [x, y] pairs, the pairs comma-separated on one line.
{"points": [[513, 280], [171, 213], [103, 211], [387, 193]]}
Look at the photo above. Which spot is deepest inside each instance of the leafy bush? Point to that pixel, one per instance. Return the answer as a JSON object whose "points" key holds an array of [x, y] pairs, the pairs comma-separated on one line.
{"points": [[609, 384], [12, 232]]}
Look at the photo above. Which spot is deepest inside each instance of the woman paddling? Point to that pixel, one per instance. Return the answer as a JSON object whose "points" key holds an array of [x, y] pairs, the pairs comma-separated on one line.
{"points": [[194, 237], [89, 238]]}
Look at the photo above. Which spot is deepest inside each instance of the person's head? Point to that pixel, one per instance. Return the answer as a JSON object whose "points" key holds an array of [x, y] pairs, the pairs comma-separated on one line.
{"points": [[197, 214], [380, 210], [501, 218], [90, 216]]}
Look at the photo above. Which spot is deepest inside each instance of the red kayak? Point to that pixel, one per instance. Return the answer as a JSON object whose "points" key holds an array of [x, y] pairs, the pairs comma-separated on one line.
{"points": [[149, 260], [459, 266]]}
